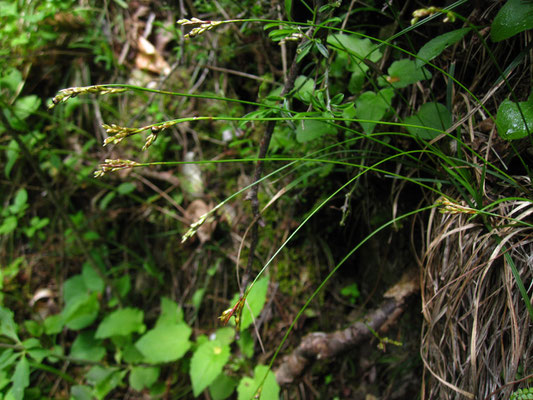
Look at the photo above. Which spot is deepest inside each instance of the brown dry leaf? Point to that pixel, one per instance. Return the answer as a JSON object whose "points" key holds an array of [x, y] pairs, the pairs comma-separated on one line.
{"points": [[409, 284], [193, 213], [148, 58]]}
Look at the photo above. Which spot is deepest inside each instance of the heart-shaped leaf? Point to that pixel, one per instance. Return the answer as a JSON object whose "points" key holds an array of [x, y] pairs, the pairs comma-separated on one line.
{"points": [[432, 115]]}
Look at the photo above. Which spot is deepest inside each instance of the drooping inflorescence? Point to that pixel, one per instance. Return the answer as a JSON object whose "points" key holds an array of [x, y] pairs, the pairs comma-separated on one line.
{"points": [[111, 165], [65, 94], [203, 25]]}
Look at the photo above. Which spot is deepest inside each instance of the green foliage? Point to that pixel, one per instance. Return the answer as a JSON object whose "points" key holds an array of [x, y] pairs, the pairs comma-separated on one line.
{"points": [[431, 115], [373, 106], [14, 212], [438, 44], [522, 394], [263, 385], [307, 131], [120, 323], [351, 292], [87, 348], [143, 377], [515, 120], [341, 92], [403, 73], [165, 343], [207, 363], [514, 17]]}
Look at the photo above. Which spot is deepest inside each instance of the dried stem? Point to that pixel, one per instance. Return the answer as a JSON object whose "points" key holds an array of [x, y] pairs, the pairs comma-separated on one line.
{"points": [[320, 345]]}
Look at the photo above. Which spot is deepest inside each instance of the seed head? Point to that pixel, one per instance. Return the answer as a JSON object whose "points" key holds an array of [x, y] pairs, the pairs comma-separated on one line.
{"points": [[111, 165], [203, 25], [65, 94]]}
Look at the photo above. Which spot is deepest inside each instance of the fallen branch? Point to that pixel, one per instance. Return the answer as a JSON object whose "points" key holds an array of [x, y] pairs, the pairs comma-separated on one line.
{"points": [[321, 345]]}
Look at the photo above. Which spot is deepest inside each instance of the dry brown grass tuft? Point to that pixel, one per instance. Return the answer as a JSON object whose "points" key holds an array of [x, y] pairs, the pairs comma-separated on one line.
{"points": [[477, 332]]}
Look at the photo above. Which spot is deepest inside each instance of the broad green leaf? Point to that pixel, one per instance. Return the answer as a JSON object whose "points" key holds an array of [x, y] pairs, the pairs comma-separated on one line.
{"points": [[38, 354], [246, 344], [510, 122], [27, 105], [304, 88], [74, 287], [126, 188], [351, 291], [222, 387], [432, 115], [80, 392], [8, 358], [104, 379], [8, 225], [165, 343], [225, 335], [207, 363], [8, 327], [36, 224], [403, 73], [255, 302], [197, 298], [12, 155], [514, 17], [98, 373], [54, 324], [19, 202], [87, 348], [92, 279], [354, 45], [31, 343], [106, 200], [13, 78], [249, 387], [34, 328], [131, 355], [82, 311], [5, 379], [436, 46], [21, 378], [372, 106], [143, 377], [308, 130], [121, 323], [171, 313], [357, 80], [56, 350]]}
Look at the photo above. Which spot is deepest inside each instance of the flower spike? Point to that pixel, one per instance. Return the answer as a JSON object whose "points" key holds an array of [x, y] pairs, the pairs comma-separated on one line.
{"points": [[203, 25], [65, 94], [114, 165]]}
